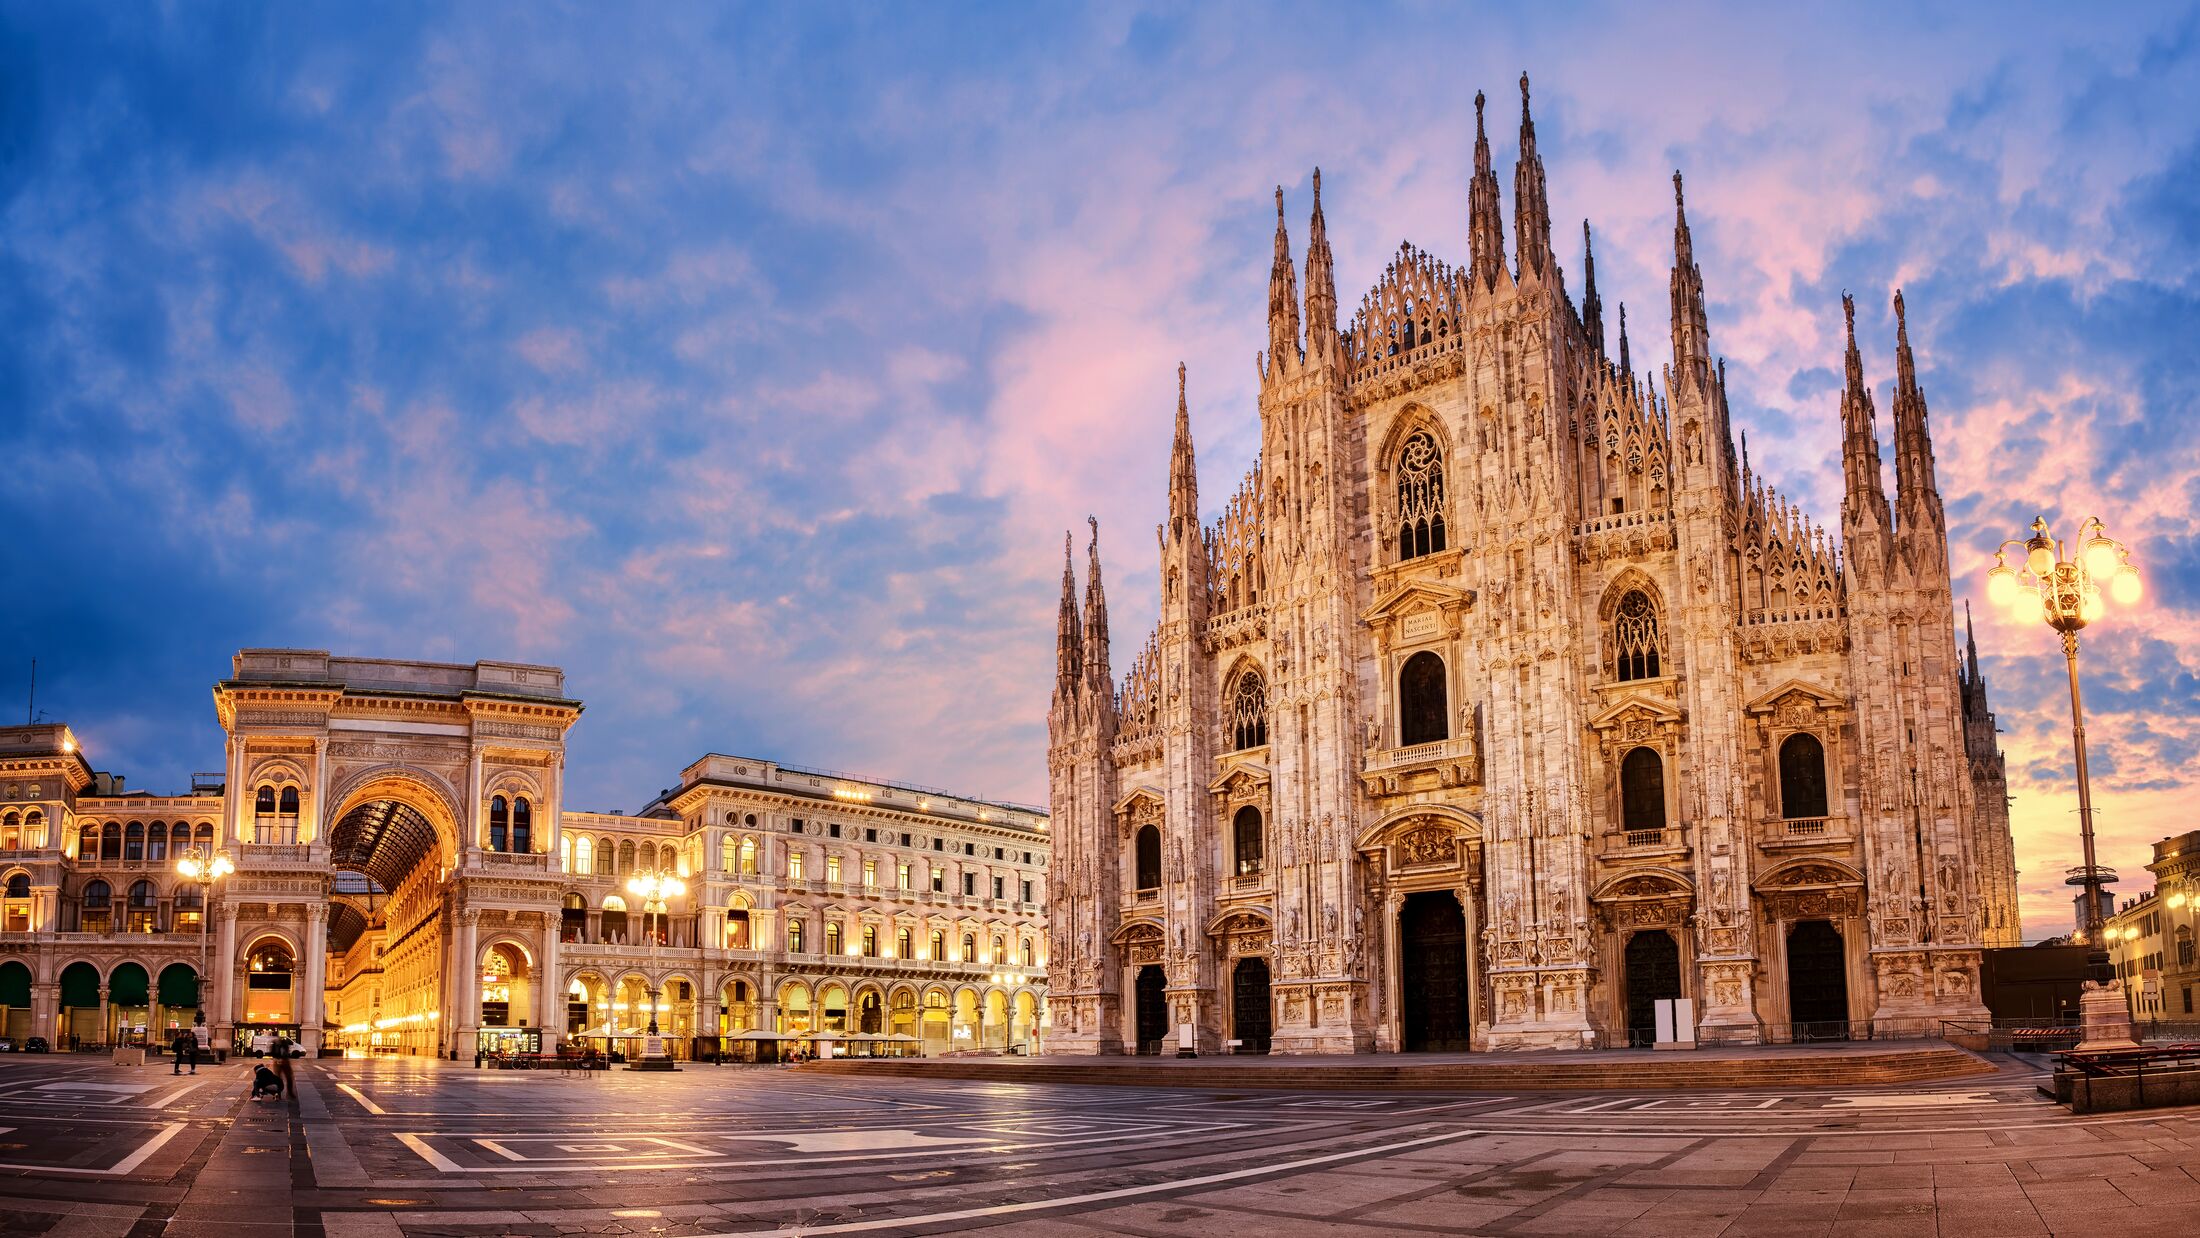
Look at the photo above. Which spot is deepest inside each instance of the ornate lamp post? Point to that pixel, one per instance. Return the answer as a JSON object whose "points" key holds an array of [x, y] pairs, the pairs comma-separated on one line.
{"points": [[2066, 594], [205, 865], [653, 889]]}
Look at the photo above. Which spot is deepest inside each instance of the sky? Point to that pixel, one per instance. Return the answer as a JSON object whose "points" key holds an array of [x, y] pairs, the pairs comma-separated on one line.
{"points": [[749, 362]]}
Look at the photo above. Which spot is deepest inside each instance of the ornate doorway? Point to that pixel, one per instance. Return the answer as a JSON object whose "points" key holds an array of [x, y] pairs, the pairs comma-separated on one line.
{"points": [[1818, 982], [1153, 1008], [1432, 948], [1249, 1006], [1653, 975]]}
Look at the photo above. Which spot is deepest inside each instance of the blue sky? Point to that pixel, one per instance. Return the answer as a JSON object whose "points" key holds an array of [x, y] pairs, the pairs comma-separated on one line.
{"points": [[749, 362]]}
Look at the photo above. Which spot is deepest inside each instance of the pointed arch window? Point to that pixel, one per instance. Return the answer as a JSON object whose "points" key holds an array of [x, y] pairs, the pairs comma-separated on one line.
{"points": [[1802, 776], [1420, 497], [1149, 858], [1637, 643], [523, 825], [500, 822], [1248, 712], [1642, 790], [1245, 840], [289, 806], [1424, 710]]}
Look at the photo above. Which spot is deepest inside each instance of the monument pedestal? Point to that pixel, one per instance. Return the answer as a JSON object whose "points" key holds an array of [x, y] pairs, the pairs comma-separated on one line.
{"points": [[2104, 1020]]}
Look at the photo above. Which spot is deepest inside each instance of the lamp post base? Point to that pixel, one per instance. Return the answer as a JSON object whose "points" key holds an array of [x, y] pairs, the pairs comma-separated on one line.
{"points": [[2103, 1018]]}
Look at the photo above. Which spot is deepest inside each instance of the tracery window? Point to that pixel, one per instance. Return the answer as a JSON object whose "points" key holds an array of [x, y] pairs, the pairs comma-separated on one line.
{"points": [[1424, 712], [1636, 643], [1248, 712], [1420, 497], [1802, 776], [1642, 790], [1149, 858], [1245, 840]]}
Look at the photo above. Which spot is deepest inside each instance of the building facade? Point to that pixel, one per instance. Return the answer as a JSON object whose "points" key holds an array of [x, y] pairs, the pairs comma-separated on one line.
{"points": [[408, 880], [1504, 699], [2155, 939]]}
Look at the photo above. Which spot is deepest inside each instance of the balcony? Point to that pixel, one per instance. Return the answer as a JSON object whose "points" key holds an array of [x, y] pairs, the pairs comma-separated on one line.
{"points": [[1643, 844], [1804, 833], [1445, 763]]}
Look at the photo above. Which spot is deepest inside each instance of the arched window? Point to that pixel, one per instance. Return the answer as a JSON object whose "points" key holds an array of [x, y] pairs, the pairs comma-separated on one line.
{"points": [[289, 806], [179, 837], [748, 857], [156, 842], [263, 802], [667, 860], [87, 844], [1424, 708], [970, 948], [1000, 949], [1149, 858], [1245, 840], [728, 848], [143, 906], [870, 941], [523, 826], [626, 856], [901, 943], [1248, 712], [133, 841], [97, 907], [1802, 776], [19, 886], [1028, 955], [584, 855], [1420, 497], [110, 842], [500, 820], [1636, 644], [1642, 790], [614, 920], [939, 946]]}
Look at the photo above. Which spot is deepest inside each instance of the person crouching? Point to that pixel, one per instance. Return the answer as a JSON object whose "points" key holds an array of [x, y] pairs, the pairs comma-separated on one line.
{"points": [[266, 1082]]}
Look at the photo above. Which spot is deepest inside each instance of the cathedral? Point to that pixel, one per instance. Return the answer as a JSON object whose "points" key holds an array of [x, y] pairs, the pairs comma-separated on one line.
{"points": [[1503, 701]]}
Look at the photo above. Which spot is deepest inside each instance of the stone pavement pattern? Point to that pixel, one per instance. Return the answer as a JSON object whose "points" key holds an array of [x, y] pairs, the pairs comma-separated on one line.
{"points": [[398, 1149]]}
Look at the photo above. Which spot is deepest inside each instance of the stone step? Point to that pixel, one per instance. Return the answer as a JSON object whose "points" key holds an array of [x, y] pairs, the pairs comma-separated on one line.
{"points": [[1839, 1068]]}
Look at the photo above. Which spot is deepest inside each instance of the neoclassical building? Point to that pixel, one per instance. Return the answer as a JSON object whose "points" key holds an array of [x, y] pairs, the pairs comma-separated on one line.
{"points": [[1504, 699], [408, 879]]}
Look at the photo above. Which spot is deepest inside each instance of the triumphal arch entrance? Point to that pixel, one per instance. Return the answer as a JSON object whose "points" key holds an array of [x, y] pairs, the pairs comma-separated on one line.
{"points": [[392, 825]]}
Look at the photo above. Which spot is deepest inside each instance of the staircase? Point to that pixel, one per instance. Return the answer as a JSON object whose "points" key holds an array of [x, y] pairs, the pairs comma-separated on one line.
{"points": [[1609, 1071]]}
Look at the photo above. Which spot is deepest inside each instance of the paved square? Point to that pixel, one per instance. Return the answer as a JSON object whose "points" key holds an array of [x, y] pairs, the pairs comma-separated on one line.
{"points": [[401, 1149]]}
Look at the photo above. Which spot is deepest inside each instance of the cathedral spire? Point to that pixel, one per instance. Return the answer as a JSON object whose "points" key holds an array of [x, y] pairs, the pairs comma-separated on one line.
{"points": [[1917, 496], [1098, 672], [1864, 505], [1321, 281], [1183, 475], [1531, 208], [1592, 308], [1069, 649], [1486, 230], [1626, 366], [1283, 297], [1970, 647], [1691, 332]]}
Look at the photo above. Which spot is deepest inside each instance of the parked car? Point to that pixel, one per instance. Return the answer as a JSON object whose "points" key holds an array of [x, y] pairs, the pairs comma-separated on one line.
{"points": [[7, 1044], [37, 1044]]}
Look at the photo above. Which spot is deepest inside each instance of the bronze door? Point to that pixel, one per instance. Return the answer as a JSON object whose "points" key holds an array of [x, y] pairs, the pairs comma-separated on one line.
{"points": [[1434, 984], [1653, 975], [1153, 1008], [1818, 982], [1249, 1006]]}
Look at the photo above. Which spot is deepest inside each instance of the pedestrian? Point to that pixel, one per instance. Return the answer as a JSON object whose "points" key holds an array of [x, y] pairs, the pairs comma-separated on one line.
{"points": [[181, 1048], [280, 1047]]}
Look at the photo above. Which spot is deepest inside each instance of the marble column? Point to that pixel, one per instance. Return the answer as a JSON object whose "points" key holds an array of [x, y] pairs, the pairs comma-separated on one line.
{"points": [[221, 974], [310, 1002], [468, 989]]}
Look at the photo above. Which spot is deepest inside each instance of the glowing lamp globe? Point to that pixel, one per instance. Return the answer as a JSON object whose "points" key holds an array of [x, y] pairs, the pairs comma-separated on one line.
{"points": [[2102, 558], [2028, 607], [2124, 586], [2091, 606], [2039, 556], [2001, 585]]}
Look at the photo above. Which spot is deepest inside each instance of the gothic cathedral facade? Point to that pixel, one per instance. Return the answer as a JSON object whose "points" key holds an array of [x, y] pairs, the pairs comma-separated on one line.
{"points": [[1503, 700]]}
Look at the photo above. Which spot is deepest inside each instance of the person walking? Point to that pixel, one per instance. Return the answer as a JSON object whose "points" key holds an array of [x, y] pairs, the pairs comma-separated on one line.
{"points": [[280, 1047], [186, 1046]]}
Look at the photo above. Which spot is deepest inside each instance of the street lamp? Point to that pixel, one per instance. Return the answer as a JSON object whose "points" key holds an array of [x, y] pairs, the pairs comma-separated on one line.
{"points": [[204, 865], [2066, 594], [653, 889]]}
